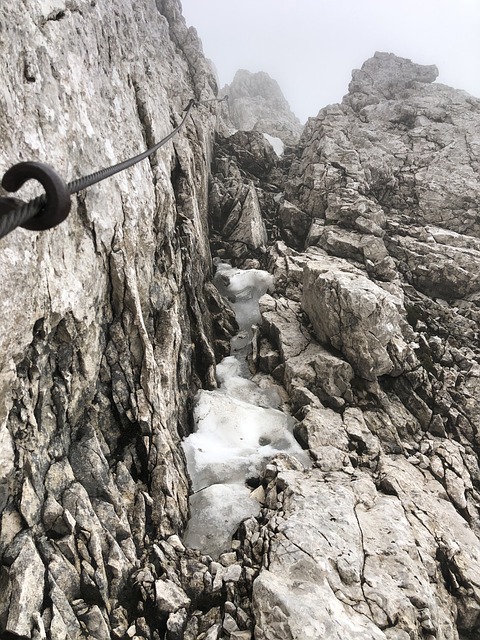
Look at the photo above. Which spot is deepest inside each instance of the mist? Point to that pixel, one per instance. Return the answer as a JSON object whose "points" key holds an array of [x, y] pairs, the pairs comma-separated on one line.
{"points": [[311, 46]]}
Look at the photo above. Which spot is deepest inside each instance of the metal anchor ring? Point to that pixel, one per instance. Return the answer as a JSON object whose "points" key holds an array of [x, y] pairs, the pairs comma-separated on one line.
{"points": [[57, 204]]}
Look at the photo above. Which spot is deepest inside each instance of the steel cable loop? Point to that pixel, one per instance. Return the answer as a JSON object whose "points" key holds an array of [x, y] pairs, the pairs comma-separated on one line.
{"points": [[16, 217], [14, 213], [58, 200]]}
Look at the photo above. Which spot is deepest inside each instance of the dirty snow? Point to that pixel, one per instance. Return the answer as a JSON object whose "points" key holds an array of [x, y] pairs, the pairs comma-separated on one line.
{"points": [[237, 427]]}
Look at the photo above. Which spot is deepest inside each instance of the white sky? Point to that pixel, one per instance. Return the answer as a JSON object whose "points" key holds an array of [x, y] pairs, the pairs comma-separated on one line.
{"points": [[311, 46]]}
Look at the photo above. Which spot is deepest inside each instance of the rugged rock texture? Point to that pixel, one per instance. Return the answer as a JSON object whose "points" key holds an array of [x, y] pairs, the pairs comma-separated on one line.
{"points": [[106, 328], [394, 147], [256, 103], [110, 324], [373, 331], [385, 531]]}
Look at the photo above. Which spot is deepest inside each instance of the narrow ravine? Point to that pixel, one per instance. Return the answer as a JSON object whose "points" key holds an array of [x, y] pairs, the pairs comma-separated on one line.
{"points": [[238, 427]]}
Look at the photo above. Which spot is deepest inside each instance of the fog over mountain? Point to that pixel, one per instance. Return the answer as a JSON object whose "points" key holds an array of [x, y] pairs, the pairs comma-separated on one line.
{"points": [[310, 47]]}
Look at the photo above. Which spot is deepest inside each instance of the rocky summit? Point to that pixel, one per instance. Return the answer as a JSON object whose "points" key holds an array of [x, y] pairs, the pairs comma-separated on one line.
{"points": [[311, 317], [256, 103]]}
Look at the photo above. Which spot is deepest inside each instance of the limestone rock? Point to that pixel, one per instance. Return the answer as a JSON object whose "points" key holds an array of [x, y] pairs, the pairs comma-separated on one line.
{"points": [[248, 229], [389, 226], [352, 314], [438, 268], [294, 221], [111, 324], [345, 527], [26, 578], [169, 597], [390, 148], [386, 75], [305, 362], [105, 326], [240, 220], [6, 463], [322, 432]]}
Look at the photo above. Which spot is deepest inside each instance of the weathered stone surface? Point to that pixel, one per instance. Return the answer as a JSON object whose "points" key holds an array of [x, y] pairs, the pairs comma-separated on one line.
{"points": [[406, 503], [241, 214], [249, 228], [397, 144], [357, 317], [109, 325], [105, 326], [169, 597], [323, 434], [294, 222], [436, 267], [386, 75], [381, 558], [26, 579], [358, 248], [7, 466], [306, 364]]}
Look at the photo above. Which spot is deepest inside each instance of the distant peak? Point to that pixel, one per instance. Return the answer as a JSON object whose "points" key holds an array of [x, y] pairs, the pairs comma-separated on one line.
{"points": [[257, 103]]}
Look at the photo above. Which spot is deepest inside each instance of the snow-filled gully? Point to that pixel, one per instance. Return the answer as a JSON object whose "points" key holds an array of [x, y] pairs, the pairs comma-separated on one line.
{"points": [[238, 427]]}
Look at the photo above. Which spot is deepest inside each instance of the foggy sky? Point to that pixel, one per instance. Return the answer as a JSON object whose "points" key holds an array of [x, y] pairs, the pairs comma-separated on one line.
{"points": [[311, 46]]}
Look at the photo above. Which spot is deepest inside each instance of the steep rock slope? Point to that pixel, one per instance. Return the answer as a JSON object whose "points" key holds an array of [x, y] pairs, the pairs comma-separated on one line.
{"points": [[110, 324], [105, 322], [373, 332]]}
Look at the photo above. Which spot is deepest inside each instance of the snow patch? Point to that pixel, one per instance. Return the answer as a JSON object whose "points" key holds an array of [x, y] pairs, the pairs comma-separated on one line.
{"points": [[277, 144], [218, 510], [243, 288], [7, 453], [238, 427], [233, 439]]}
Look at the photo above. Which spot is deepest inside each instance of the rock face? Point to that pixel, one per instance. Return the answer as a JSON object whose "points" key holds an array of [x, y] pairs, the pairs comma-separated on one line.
{"points": [[413, 150], [257, 103], [387, 279], [110, 324], [105, 322], [354, 315]]}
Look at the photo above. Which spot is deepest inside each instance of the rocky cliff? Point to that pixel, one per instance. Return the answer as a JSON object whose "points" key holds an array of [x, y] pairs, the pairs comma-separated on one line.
{"points": [[106, 324], [110, 324]]}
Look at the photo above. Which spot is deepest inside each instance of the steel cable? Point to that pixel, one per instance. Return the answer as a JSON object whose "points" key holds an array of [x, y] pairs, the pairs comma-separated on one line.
{"points": [[14, 213], [87, 181]]}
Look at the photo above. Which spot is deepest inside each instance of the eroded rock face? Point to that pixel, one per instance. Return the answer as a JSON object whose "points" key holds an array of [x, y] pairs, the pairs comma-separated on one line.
{"points": [[354, 315], [369, 558], [395, 465], [372, 330], [396, 145], [106, 328]]}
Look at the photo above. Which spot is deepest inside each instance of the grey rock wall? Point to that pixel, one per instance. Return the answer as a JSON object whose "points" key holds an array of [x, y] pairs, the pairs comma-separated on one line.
{"points": [[384, 530], [105, 324], [373, 332], [256, 103]]}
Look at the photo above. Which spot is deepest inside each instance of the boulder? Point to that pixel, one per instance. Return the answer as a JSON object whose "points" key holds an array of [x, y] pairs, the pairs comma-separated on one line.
{"points": [[354, 315]]}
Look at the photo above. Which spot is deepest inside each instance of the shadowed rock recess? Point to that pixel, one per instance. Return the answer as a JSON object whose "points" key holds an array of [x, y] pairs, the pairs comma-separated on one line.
{"points": [[110, 325]]}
